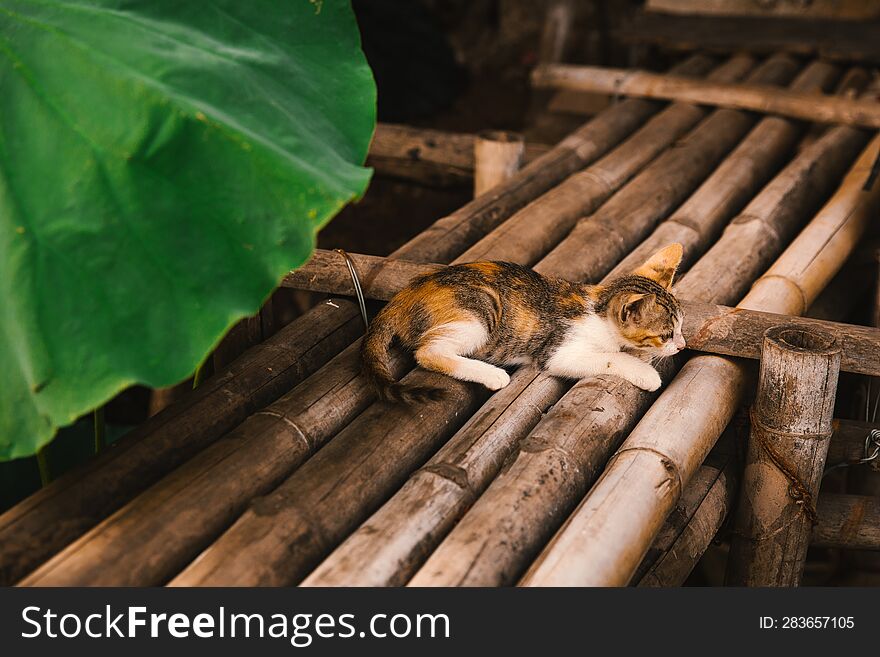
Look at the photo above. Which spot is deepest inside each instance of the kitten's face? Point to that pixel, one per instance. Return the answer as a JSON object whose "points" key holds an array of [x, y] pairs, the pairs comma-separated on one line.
{"points": [[648, 315], [651, 323]]}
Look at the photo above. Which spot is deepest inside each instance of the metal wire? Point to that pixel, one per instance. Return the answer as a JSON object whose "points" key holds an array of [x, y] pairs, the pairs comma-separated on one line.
{"points": [[871, 452], [357, 286]]}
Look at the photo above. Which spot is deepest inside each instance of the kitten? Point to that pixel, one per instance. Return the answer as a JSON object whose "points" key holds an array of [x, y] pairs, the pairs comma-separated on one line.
{"points": [[467, 320]]}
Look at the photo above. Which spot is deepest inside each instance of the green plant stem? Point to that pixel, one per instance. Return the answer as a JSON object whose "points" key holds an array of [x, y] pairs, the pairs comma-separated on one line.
{"points": [[43, 465], [100, 429]]}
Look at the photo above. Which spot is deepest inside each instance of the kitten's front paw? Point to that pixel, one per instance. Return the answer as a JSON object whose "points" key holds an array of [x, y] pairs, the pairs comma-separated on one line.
{"points": [[648, 380], [497, 380]]}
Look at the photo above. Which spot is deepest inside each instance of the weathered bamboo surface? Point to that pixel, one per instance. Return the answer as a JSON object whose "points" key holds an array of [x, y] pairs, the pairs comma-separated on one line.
{"points": [[497, 156], [848, 522], [535, 229], [50, 518], [798, 105], [391, 545], [660, 456], [55, 516], [430, 157], [677, 173], [691, 526], [589, 142], [791, 428], [737, 332], [216, 563], [698, 222]]}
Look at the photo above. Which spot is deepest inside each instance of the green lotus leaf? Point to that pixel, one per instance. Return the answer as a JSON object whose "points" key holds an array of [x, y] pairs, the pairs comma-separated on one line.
{"points": [[162, 165]]}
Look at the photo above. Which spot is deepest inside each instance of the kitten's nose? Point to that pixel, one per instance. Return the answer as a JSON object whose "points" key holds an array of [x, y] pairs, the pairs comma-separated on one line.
{"points": [[679, 342]]}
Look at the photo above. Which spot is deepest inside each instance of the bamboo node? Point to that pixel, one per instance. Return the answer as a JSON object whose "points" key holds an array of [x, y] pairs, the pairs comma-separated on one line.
{"points": [[797, 490], [454, 473]]}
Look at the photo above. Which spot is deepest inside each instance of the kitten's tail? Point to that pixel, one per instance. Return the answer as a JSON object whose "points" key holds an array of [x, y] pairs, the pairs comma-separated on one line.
{"points": [[375, 358]]}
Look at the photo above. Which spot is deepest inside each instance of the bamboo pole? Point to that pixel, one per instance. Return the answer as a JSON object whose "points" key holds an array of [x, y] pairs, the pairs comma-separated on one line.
{"points": [[57, 514], [443, 240], [690, 527], [797, 105], [850, 522], [661, 454], [791, 425], [845, 521], [267, 562], [539, 226], [738, 332], [497, 156], [430, 157], [581, 431]]}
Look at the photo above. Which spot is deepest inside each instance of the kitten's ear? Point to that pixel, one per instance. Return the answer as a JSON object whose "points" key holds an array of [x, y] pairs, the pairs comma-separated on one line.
{"points": [[634, 306], [661, 266]]}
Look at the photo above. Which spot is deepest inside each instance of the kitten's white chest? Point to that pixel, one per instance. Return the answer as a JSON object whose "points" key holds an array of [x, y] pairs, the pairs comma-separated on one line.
{"points": [[588, 335]]}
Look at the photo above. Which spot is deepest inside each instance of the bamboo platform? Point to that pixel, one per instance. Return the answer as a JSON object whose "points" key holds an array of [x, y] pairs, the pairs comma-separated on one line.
{"points": [[282, 468]]}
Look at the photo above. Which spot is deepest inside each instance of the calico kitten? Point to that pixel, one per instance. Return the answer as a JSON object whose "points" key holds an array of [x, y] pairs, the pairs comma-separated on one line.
{"points": [[467, 320]]}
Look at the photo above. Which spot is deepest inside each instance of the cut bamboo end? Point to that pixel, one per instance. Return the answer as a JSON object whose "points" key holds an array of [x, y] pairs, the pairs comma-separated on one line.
{"points": [[498, 155], [788, 445]]}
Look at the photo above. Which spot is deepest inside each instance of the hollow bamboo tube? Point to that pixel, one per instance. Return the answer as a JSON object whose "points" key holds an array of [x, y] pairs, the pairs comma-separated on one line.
{"points": [[661, 454], [791, 425], [575, 438], [57, 514], [803, 106], [497, 156], [214, 564], [536, 228]]}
